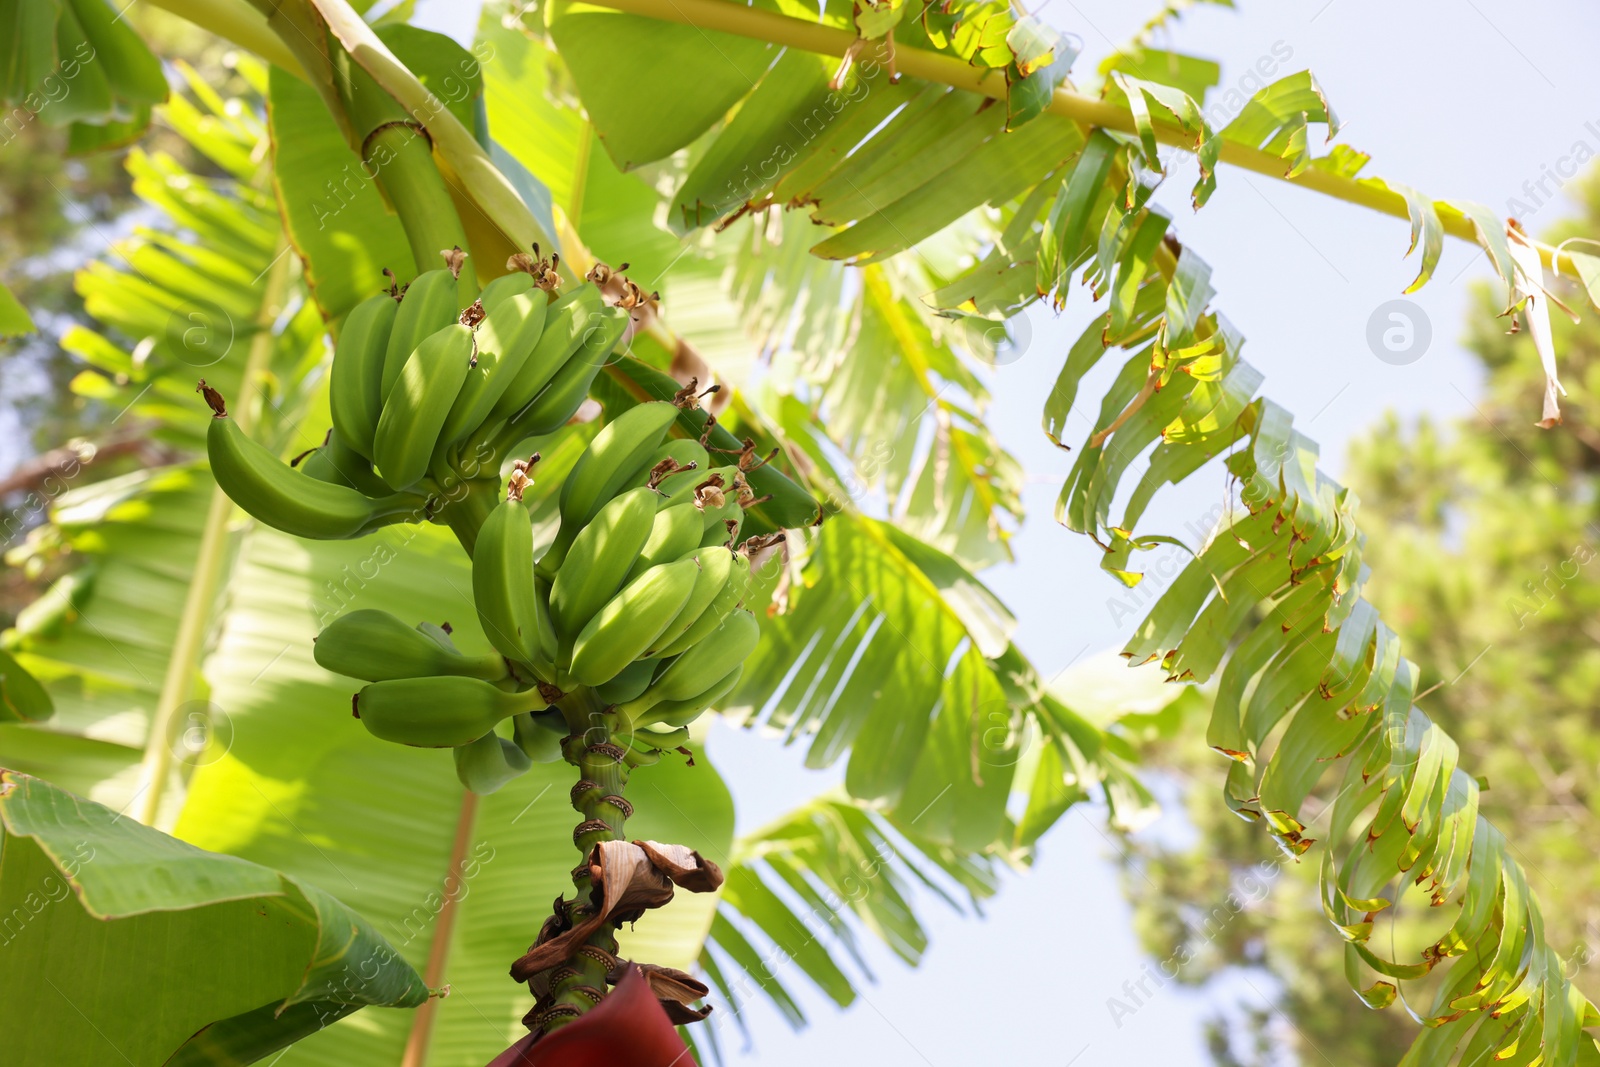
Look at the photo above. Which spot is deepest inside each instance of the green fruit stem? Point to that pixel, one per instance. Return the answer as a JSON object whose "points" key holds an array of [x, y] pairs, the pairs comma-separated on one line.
{"points": [[401, 157], [472, 503], [592, 747]]}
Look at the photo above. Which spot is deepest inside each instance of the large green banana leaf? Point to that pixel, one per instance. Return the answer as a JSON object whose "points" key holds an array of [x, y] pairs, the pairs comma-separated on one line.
{"points": [[121, 943], [77, 64]]}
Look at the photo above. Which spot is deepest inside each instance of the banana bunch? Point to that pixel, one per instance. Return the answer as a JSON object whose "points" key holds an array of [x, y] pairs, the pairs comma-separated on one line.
{"points": [[424, 394], [636, 606], [639, 599]]}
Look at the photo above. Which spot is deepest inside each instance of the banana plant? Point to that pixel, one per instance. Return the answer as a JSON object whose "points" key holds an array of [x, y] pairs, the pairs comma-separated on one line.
{"points": [[138, 549], [964, 107]]}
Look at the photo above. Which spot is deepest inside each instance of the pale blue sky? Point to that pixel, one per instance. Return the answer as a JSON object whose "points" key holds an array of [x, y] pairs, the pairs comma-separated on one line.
{"points": [[1461, 98]]}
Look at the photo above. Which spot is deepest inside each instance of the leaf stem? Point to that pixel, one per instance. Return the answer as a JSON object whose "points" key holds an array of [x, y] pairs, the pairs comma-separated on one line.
{"points": [[417, 1040], [189, 642]]}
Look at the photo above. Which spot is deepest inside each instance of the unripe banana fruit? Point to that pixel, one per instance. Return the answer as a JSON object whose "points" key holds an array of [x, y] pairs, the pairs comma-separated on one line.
{"points": [[428, 305], [569, 387], [334, 461], [729, 593], [507, 285], [673, 713], [278, 495], [355, 384], [488, 763], [599, 561], [674, 532], [502, 584], [618, 452], [629, 682], [375, 646], [539, 735], [439, 712], [438, 634], [416, 409], [716, 566], [566, 320], [620, 632], [511, 327], [725, 648]]}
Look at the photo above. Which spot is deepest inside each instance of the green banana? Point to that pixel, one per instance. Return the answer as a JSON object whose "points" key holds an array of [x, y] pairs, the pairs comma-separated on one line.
{"points": [[683, 712], [506, 337], [333, 461], [317, 464], [428, 306], [621, 631], [691, 458], [660, 740], [641, 754], [507, 285], [539, 735], [718, 589], [547, 630], [568, 389], [502, 584], [438, 634], [415, 411], [674, 532], [438, 712], [566, 320], [725, 648], [278, 495], [630, 682], [599, 561], [355, 384], [618, 452], [722, 525], [375, 646], [488, 763]]}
